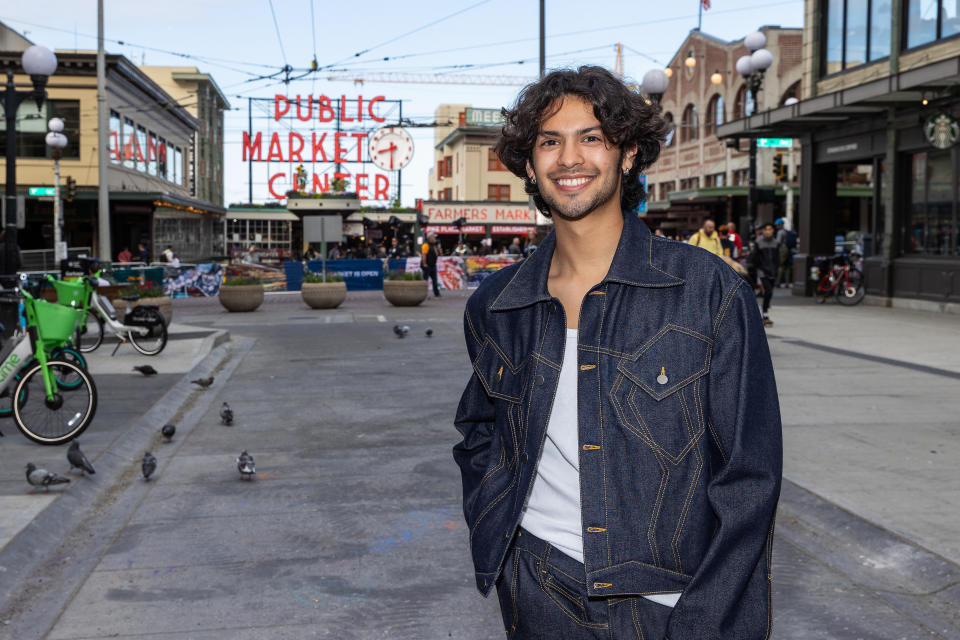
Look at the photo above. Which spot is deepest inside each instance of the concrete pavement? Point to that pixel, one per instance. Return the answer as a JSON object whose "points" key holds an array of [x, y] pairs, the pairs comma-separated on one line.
{"points": [[353, 528]]}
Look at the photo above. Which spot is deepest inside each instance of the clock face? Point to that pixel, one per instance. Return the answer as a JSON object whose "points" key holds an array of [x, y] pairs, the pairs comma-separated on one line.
{"points": [[391, 148]]}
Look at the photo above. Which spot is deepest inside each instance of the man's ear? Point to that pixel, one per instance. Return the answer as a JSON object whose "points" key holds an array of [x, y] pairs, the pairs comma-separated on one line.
{"points": [[629, 155]]}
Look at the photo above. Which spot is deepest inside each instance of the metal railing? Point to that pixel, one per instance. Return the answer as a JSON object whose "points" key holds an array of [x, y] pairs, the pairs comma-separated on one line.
{"points": [[43, 259]]}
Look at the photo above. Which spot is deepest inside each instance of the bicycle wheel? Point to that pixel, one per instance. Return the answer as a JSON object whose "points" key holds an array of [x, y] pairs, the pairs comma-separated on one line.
{"points": [[823, 290], [90, 335], [6, 399], [854, 290], [70, 355], [65, 416], [155, 339]]}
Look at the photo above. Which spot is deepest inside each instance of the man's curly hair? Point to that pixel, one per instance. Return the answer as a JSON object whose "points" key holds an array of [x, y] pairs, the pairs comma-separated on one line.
{"points": [[625, 118]]}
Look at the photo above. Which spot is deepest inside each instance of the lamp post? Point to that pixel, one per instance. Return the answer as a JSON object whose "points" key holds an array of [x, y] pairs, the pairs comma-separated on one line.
{"points": [[39, 63], [752, 68], [655, 84], [57, 141]]}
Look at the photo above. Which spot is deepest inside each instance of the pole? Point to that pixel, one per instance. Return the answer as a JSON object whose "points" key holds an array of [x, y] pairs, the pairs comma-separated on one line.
{"points": [[399, 171], [250, 157], [10, 104], [543, 45], [57, 213], [752, 190], [699, 14], [103, 125]]}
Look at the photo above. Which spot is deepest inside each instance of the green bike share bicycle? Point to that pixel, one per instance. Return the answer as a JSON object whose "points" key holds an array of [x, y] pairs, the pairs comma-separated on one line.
{"points": [[143, 326], [54, 399]]}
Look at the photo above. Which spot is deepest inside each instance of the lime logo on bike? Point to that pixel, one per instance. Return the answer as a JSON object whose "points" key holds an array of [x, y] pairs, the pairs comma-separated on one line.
{"points": [[9, 367]]}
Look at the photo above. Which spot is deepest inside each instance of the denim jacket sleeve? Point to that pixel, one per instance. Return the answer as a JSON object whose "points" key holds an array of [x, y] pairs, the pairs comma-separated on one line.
{"points": [[475, 421], [729, 594]]}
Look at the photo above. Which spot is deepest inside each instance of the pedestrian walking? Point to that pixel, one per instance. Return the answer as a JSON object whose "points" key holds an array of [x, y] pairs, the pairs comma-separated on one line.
{"points": [[787, 239], [707, 238], [428, 262], [621, 450], [765, 260], [729, 249], [735, 238]]}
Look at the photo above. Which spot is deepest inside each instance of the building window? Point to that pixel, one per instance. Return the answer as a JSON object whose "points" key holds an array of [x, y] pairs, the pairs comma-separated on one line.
{"points": [[178, 166], [690, 183], [858, 31], [689, 126], [448, 194], [116, 135], [668, 118], [741, 177], [744, 105], [929, 20], [932, 215], [498, 192], [493, 161], [716, 180], [714, 115], [440, 175], [792, 92], [448, 166], [31, 130], [666, 188]]}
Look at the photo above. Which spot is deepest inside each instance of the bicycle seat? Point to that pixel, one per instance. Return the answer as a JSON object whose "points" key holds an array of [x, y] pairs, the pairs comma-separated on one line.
{"points": [[132, 298]]}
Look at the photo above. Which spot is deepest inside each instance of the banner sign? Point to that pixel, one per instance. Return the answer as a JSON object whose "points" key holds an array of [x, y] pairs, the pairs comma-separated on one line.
{"points": [[516, 230], [480, 213], [200, 280], [449, 229], [359, 275], [476, 268]]}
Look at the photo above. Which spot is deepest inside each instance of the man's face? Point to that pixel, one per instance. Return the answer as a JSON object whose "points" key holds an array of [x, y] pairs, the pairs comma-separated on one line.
{"points": [[732, 227], [768, 231], [709, 226], [576, 168]]}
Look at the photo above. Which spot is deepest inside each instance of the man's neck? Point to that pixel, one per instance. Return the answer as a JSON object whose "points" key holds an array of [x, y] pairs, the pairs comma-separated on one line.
{"points": [[585, 247]]}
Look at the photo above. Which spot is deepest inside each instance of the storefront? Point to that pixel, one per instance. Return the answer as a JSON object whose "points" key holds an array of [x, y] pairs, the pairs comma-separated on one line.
{"points": [[268, 231], [494, 224]]}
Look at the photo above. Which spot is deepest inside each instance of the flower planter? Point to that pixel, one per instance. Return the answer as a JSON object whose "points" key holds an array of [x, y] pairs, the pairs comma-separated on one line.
{"points": [[244, 297], [405, 293], [324, 295], [164, 303]]}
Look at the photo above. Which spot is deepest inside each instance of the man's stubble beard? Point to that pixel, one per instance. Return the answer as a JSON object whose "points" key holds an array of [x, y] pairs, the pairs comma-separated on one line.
{"points": [[576, 211]]}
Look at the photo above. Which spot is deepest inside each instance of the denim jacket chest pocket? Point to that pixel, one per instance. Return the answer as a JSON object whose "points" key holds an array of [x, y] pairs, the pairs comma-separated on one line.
{"points": [[659, 393]]}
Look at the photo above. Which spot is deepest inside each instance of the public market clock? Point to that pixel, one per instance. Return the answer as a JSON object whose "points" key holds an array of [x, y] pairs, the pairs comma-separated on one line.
{"points": [[391, 148]]}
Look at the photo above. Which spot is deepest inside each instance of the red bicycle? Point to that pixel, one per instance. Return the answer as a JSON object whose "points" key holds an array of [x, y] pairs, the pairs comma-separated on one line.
{"points": [[838, 278]]}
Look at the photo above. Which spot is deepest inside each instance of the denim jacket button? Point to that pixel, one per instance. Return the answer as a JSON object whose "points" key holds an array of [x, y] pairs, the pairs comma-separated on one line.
{"points": [[524, 457], [552, 307], [539, 380]]}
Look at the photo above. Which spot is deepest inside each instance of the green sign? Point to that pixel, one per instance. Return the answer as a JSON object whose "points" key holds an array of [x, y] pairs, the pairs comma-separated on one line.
{"points": [[43, 191], [483, 117], [780, 143]]}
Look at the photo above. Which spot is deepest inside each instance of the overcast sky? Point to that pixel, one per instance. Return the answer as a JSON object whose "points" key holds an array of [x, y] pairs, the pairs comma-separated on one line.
{"points": [[237, 42]]}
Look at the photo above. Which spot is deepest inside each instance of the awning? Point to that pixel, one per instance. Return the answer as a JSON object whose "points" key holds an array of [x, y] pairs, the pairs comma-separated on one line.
{"points": [[261, 215], [380, 216], [906, 88]]}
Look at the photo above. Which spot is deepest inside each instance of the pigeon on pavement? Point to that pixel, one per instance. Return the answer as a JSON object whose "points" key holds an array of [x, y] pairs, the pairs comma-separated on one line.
{"points": [[43, 478], [429, 333], [203, 383], [226, 414], [168, 430], [77, 460], [145, 369], [149, 465], [398, 330], [246, 466]]}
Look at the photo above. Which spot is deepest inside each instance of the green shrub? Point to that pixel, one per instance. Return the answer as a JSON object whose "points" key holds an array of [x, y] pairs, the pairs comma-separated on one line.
{"points": [[241, 281], [405, 275], [316, 277], [143, 290]]}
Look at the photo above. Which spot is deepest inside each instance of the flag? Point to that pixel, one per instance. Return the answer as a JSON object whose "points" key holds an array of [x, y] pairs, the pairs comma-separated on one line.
{"points": [[706, 4]]}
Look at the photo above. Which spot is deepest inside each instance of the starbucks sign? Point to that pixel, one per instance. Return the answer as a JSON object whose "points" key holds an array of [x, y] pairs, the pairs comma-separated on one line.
{"points": [[941, 130]]}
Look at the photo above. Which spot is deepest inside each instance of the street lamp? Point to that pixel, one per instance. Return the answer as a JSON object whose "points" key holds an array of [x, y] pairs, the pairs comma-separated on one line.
{"points": [[57, 141], [39, 63], [752, 68], [654, 84]]}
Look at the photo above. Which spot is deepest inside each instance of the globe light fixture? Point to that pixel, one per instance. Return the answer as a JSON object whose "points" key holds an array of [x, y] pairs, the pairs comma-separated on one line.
{"points": [[38, 63], [655, 84], [691, 61], [716, 77], [744, 65], [668, 72]]}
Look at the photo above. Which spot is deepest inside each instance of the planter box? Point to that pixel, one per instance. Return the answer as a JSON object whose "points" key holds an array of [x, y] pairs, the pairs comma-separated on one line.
{"points": [[405, 293], [324, 295], [246, 297], [164, 303]]}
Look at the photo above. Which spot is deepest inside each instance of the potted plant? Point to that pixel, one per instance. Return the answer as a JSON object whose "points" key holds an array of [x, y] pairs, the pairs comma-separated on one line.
{"points": [[149, 294], [404, 289], [241, 294], [323, 294]]}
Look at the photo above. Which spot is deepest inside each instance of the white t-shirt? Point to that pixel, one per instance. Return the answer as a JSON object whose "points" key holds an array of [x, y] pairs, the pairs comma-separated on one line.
{"points": [[553, 510]]}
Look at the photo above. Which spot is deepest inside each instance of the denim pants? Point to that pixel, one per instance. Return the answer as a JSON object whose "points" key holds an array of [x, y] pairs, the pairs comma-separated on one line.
{"points": [[542, 594], [430, 273]]}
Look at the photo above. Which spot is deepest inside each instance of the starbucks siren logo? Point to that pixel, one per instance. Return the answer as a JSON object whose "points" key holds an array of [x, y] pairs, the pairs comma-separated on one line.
{"points": [[942, 130]]}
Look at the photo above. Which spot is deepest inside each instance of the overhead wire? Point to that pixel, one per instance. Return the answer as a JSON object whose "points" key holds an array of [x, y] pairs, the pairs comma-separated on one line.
{"points": [[276, 25]]}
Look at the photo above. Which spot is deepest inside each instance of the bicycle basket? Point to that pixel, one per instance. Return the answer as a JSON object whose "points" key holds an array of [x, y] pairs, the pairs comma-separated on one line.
{"points": [[70, 293], [54, 322]]}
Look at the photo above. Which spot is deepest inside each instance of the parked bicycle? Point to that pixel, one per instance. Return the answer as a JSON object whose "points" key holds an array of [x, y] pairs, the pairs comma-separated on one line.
{"points": [[837, 277], [143, 326], [54, 400]]}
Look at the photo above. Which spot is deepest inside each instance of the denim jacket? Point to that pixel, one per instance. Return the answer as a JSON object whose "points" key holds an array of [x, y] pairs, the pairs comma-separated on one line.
{"points": [[679, 428]]}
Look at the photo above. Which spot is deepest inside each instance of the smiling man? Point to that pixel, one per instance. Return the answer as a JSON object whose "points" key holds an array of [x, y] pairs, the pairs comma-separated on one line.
{"points": [[621, 450]]}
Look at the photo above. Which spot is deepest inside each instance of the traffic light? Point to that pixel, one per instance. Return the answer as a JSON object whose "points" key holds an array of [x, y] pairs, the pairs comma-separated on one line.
{"points": [[71, 188], [779, 171]]}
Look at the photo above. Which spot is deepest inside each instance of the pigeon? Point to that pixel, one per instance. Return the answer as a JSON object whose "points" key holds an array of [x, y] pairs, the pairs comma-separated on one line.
{"points": [[149, 465], [43, 478], [168, 430], [398, 330], [429, 333], [145, 369], [203, 383], [77, 460], [226, 414], [246, 466]]}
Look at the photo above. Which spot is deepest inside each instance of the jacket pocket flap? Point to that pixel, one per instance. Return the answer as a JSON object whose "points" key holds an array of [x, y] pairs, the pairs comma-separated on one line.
{"points": [[672, 359], [635, 578], [500, 377]]}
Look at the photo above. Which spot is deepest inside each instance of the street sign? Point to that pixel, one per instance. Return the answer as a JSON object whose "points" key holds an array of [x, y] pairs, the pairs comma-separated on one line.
{"points": [[43, 191], [779, 143]]}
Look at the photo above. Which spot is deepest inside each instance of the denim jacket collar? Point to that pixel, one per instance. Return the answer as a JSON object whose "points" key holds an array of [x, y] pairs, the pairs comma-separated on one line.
{"points": [[634, 263]]}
